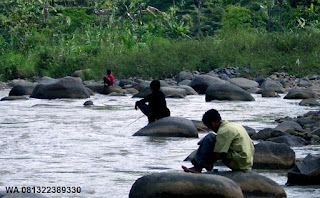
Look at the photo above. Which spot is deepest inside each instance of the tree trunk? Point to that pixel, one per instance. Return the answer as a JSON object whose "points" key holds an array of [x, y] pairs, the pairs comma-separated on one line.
{"points": [[199, 13], [269, 15], [280, 13]]}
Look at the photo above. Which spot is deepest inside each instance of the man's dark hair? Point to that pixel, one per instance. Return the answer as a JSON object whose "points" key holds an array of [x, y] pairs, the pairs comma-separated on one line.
{"points": [[211, 116], [108, 71], [155, 85]]}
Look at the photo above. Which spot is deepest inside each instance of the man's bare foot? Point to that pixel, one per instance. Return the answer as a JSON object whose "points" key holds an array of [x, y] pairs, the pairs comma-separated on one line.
{"points": [[191, 170]]}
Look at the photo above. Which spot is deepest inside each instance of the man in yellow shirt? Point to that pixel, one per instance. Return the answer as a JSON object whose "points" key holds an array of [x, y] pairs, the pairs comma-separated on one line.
{"points": [[232, 145]]}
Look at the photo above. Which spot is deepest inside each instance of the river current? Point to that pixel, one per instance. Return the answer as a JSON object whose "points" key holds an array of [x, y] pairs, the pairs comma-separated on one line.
{"points": [[61, 143]]}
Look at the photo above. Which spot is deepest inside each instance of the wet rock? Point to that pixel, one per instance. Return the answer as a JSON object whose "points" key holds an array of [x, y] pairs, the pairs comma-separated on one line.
{"points": [[250, 131], [142, 93], [141, 85], [316, 132], [271, 155], [88, 103], [270, 84], [286, 125], [167, 91], [14, 98], [184, 75], [267, 93], [201, 82], [244, 83], [185, 82], [306, 172], [189, 90], [3, 85], [260, 80], [253, 184], [315, 89], [304, 83], [300, 94], [169, 127], [125, 82], [290, 140], [131, 91], [312, 102], [101, 89], [265, 134], [227, 92], [15, 82], [174, 184], [67, 87], [22, 89], [305, 121]]}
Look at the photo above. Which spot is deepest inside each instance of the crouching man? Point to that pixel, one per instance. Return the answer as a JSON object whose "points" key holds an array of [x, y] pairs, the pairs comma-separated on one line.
{"points": [[231, 144]]}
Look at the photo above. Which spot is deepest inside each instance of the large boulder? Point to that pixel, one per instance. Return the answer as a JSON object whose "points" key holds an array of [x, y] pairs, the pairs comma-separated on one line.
{"points": [[189, 90], [126, 82], [265, 134], [169, 127], [244, 83], [268, 93], [304, 83], [270, 84], [184, 75], [290, 140], [315, 89], [22, 89], [312, 102], [142, 93], [316, 132], [101, 89], [227, 92], [253, 184], [174, 184], [3, 85], [271, 155], [201, 82], [10, 98], [250, 131], [306, 172], [67, 87], [169, 91], [288, 125], [300, 94]]}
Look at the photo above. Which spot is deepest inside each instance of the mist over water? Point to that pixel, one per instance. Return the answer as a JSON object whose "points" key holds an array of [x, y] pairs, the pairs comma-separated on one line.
{"points": [[63, 143]]}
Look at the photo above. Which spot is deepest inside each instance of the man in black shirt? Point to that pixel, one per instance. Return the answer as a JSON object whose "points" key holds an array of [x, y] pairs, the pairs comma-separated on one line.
{"points": [[157, 107]]}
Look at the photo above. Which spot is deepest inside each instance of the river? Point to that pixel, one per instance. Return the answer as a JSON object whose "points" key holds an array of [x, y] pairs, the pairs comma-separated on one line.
{"points": [[63, 143]]}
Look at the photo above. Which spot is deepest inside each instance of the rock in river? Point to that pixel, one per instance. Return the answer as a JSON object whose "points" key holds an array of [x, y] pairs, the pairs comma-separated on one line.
{"points": [[169, 127]]}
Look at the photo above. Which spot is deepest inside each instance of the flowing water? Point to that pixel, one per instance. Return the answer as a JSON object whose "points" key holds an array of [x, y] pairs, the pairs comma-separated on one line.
{"points": [[62, 143]]}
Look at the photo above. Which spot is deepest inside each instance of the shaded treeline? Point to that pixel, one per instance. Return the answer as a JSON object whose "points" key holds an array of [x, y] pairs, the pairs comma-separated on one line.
{"points": [[156, 38]]}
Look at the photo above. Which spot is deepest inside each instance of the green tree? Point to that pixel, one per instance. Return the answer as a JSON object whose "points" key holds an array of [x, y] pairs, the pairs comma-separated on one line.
{"points": [[236, 17]]}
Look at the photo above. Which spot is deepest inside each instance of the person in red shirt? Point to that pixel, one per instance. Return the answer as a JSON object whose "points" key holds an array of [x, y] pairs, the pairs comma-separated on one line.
{"points": [[108, 80]]}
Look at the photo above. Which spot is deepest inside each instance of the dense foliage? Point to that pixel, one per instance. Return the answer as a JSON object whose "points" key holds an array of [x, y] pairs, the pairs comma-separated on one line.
{"points": [[157, 38]]}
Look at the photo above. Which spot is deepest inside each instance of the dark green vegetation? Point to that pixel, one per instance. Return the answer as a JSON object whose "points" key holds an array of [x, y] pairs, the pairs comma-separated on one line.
{"points": [[157, 38]]}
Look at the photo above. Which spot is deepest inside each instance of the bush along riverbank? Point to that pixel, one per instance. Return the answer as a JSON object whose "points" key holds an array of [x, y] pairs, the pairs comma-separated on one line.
{"points": [[264, 53]]}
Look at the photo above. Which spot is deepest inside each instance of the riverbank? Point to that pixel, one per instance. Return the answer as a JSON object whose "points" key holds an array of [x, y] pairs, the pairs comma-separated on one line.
{"points": [[295, 53]]}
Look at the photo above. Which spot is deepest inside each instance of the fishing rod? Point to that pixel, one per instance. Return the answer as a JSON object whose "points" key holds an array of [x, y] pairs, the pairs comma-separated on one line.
{"points": [[134, 121]]}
